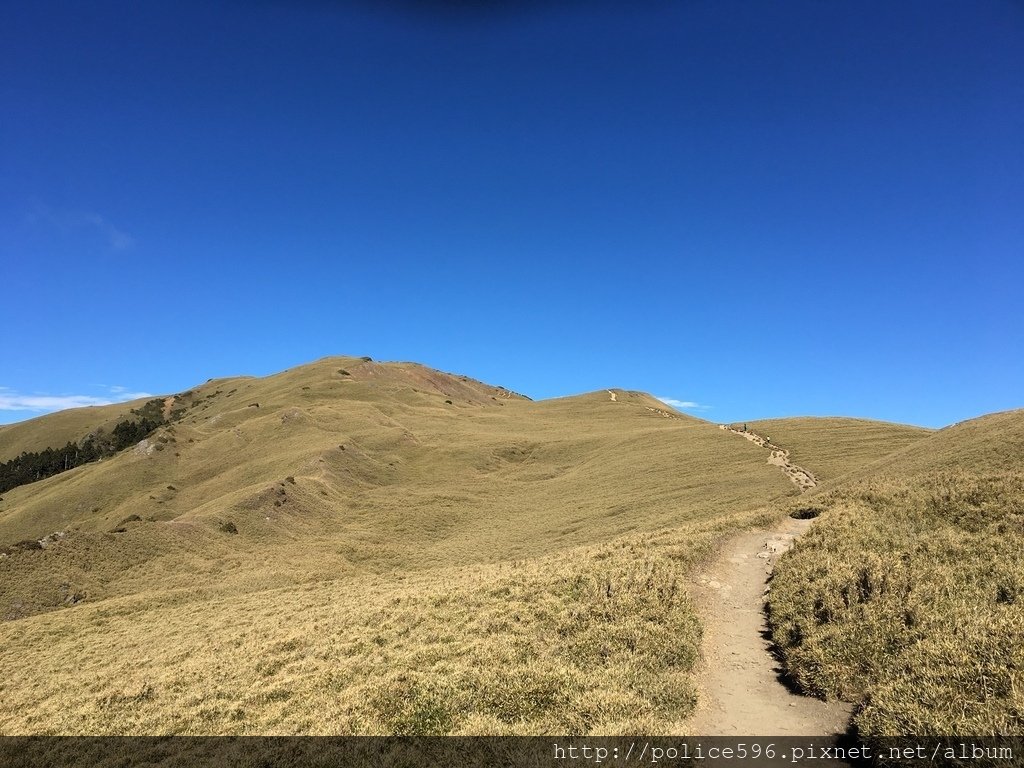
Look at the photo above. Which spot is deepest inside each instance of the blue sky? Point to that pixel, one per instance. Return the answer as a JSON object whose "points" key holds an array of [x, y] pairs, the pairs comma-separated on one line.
{"points": [[765, 209]]}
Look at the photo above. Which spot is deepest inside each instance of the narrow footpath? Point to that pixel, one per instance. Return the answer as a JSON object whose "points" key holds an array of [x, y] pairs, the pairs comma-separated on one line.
{"points": [[742, 690]]}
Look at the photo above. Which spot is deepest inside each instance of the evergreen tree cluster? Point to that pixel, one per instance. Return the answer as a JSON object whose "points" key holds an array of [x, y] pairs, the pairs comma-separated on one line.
{"points": [[37, 465]]}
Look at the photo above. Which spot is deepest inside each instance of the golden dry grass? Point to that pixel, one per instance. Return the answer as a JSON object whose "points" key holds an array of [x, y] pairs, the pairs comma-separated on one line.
{"points": [[385, 476], [832, 446], [590, 640], [58, 429], [908, 594], [416, 552], [402, 564]]}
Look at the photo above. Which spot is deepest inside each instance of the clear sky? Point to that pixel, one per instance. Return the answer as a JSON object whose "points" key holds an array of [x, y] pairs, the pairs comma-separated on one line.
{"points": [[763, 208]]}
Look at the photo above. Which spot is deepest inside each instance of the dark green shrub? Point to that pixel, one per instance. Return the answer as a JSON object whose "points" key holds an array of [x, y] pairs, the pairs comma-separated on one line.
{"points": [[805, 513]]}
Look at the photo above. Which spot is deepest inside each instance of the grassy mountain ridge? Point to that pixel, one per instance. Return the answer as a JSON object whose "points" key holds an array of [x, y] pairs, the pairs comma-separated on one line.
{"points": [[57, 429], [832, 446], [992, 442], [360, 547], [373, 460], [420, 531]]}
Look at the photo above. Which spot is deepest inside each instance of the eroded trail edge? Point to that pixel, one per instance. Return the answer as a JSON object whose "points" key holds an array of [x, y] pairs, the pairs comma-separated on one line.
{"points": [[743, 693], [743, 690]]}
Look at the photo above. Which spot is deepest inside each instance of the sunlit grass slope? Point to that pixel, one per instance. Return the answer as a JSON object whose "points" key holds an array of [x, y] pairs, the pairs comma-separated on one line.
{"points": [[58, 429], [351, 546], [589, 639], [832, 446], [908, 594]]}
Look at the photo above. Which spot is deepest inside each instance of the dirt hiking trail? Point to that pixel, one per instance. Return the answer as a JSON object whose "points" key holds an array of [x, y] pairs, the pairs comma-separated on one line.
{"points": [[778, 457], [742, 691]]}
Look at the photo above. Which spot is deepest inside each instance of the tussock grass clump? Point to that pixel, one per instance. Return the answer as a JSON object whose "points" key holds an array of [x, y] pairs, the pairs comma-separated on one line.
{"points": [[908, 597], [593, 645]]}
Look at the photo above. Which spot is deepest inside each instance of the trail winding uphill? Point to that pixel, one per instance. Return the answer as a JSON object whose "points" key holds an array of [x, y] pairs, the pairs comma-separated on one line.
{"points": [[779, 457], [743, 692]]}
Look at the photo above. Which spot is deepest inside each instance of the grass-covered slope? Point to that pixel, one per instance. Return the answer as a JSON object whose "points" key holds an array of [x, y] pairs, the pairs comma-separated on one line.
{"points": [[373, 548], [589, 639], [832, 446], [908, 594], [57, 429]]}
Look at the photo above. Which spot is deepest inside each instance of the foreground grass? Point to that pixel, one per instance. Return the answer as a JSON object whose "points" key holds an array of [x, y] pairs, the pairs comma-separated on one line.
{"points": [[594, 640], [908, 597]]}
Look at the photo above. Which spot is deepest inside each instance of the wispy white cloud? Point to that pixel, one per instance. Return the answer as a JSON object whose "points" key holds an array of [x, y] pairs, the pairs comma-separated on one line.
{"points": [[40, 403], [117, 239], [681, 405]]}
